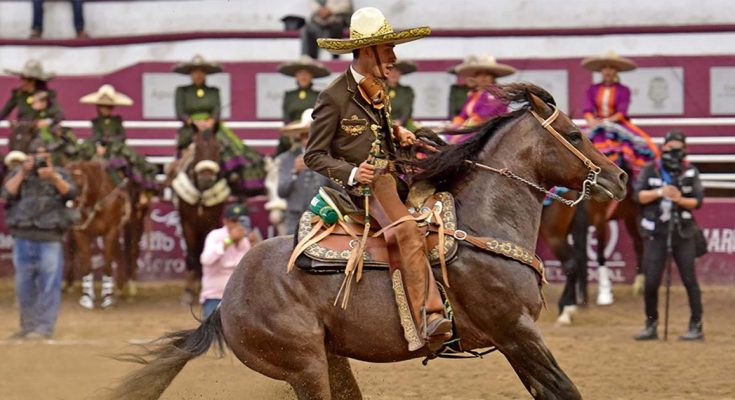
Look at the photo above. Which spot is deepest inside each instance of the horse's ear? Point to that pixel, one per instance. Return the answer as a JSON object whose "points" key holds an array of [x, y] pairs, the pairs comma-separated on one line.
{"points": [[539, 106]]}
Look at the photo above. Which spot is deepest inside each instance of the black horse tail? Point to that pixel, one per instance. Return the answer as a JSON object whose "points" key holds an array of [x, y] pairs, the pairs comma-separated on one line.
{"points": [[164, 361]]}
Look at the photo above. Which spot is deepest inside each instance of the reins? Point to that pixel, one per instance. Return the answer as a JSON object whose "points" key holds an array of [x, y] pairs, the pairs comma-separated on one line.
{"points": [[588, 183], [98, 206]]}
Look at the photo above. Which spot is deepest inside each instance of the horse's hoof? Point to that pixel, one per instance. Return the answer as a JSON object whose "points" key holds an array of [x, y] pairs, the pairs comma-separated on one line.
{"points": [[107, 302], [638, 284], [86, 302], [566, 318]]}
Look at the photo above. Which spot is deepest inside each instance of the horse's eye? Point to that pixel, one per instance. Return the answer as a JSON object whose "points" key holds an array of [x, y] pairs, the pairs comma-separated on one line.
{"points": [[575, 137]]}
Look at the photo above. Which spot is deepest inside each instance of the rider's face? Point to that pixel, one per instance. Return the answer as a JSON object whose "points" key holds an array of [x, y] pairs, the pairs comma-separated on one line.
{"points": [[105, 111], [197, 77], [387, 58], [484, 79]]}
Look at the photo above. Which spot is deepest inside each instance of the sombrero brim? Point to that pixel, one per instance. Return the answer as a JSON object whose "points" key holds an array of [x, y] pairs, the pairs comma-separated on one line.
{"points": [[406, 67], [186, 68], [344, 46], [597, 63], [291, 68], [295, 128], [498, 70], [104, 100], [44, 77]]}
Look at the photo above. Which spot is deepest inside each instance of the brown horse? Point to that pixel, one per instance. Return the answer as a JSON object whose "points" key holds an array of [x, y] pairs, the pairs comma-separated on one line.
{"points": [[200, 196], [286, 327], [104, 208]]}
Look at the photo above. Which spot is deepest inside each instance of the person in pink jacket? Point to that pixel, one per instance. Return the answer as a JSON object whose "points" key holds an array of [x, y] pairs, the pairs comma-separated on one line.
{"points": [[223, 250]]}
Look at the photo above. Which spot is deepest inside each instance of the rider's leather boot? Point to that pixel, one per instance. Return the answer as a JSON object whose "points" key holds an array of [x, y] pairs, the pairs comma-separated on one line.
{"points": [[413, 281]]}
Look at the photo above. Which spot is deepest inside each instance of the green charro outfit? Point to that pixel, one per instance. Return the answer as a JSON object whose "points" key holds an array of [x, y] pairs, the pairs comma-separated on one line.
{"points": [[119, 157], [457, 99], [243, 166], [295, 102], [401, 102], [22, 101]]}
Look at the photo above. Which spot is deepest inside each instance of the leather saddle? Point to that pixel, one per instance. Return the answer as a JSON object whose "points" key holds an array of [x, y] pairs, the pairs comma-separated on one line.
{"points": [[331, 253]]}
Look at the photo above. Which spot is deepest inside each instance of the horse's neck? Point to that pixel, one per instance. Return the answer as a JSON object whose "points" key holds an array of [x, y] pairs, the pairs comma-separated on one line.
{"points": [[497, 206]]}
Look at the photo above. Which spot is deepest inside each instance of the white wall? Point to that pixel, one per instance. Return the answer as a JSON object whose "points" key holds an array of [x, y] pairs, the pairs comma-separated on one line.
{"points": [[115, 18]]}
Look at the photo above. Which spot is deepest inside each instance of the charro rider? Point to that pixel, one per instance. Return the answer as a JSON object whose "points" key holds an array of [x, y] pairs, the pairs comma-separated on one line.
{"points": [[353, 141]]}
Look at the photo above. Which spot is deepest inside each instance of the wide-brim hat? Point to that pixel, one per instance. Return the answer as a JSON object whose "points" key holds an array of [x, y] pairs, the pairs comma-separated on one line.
{"points": [[33, 69], [296, 128], [405, 67], [485, 63], [368, 27], [469, 59], [106, 95], [304, 63], [609, 59], [198, 62], [15, 156]]}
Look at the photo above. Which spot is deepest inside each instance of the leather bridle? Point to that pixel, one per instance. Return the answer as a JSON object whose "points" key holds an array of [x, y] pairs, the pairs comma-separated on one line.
{"points": [[589, 182]]}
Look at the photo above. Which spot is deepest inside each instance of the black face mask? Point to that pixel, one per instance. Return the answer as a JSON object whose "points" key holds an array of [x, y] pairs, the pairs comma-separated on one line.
{"points": [[672, 159]]}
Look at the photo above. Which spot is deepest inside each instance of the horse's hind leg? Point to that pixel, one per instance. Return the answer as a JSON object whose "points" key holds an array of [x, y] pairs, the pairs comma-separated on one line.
{"points": [[341, 379], [527, 353]]}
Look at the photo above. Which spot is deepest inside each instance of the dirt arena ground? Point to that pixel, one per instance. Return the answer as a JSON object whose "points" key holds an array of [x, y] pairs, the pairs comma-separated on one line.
{"points": [[598, 354]]}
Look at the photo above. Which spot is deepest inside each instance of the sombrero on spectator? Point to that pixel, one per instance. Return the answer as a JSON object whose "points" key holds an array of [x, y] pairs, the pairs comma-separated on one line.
{"points": [[296, 128], [106, 95], [198, 62], [405, 67], [304, 62], [484, 63], [368, 27], [34, 70], [609, 59]]}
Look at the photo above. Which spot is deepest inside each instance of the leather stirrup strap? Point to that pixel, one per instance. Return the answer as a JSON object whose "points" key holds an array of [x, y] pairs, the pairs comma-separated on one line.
{"points": [[311, 238]]}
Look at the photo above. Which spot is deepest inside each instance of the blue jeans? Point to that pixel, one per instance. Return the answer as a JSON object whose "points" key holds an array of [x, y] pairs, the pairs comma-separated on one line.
{"points": [[38, 271], [76, 8], [209, 306]]}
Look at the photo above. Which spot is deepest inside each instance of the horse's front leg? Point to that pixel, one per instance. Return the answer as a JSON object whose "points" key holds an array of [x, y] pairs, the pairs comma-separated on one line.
{"points": [[111, 254], [527, 353]]}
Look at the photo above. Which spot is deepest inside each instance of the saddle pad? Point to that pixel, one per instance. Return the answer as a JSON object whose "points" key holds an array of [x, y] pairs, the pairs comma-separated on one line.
{"points": [[331, 253]]}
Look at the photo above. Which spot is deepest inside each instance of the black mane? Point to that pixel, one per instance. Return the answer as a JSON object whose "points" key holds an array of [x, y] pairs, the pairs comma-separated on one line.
{"points": [[448, 166]]}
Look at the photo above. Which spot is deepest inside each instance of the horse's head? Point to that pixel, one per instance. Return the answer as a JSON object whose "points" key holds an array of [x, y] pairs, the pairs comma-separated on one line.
{"points": [[566, 157], [205, 164]]}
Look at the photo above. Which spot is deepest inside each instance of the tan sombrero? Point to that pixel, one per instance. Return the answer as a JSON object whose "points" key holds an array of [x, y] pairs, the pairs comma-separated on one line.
{"points": [[469, 59], [368, 27], [32, 69], [296, 128], [484, 63], [304, 62], [198, 62], [405, 67], [106, 95], [609, 59]]}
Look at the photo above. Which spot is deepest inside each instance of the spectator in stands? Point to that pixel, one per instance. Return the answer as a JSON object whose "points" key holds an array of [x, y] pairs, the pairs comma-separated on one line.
{"points": [[198, 107], [295, 101], [482, 103], [223, 250], [668, 190], [606, 111], [108, 143], [296, 182], [37, 217], [329, 19], [401, 96], [37, 28], [459, 91]]}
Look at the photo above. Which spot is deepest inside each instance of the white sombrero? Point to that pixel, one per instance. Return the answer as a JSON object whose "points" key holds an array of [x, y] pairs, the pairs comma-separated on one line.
{"points": [[32, 69], [106, 95], [484, 63], [609, 59], [304, 62], [15, 156], [296, 128], [198, 62], [469, 59], [368, 27]]}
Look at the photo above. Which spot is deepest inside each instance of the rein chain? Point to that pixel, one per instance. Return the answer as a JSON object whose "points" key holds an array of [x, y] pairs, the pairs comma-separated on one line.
{"points": [[588, 183]]}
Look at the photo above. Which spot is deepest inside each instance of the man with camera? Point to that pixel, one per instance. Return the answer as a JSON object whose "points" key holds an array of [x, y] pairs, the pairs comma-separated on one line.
{"points": [[37, 216], [223, 250], [668, 190]]}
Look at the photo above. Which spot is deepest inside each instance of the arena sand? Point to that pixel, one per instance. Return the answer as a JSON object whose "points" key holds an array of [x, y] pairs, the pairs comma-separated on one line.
{"points": [[598, 353]]}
